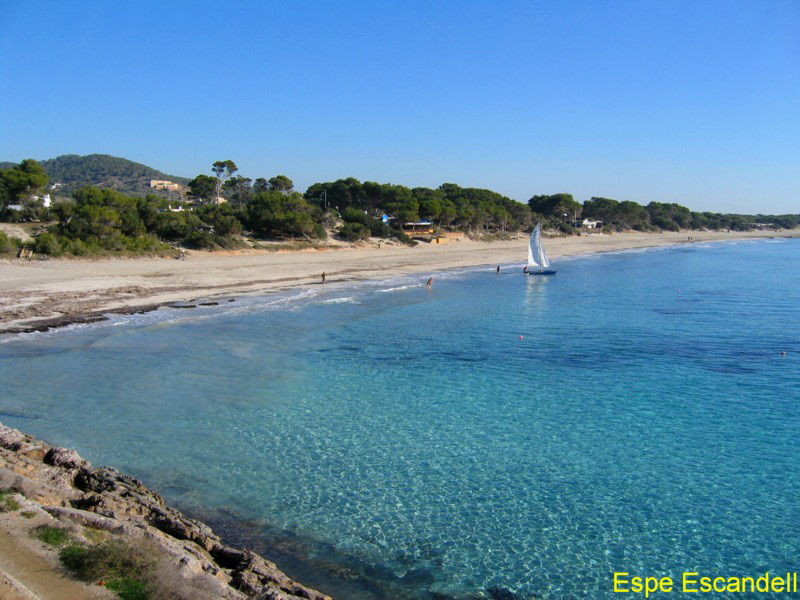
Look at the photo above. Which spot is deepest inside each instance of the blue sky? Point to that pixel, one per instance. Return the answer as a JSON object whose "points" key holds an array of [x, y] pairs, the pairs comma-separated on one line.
{"points": [[689, 102]]}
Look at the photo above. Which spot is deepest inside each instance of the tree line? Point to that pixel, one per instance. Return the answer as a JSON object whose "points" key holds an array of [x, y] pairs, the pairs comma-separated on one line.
{"points": [[562, 210], [95, 221]]}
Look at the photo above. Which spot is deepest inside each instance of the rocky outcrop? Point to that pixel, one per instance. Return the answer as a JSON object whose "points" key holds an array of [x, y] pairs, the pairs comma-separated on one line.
{"points": [[73, 491]]}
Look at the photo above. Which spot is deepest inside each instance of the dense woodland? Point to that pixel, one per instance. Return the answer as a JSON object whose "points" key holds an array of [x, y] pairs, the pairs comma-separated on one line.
{"points": [[98, 219]]}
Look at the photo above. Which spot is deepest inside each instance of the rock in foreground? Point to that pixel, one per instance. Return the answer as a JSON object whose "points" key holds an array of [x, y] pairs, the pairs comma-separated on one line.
{"points": [[74, 492]]}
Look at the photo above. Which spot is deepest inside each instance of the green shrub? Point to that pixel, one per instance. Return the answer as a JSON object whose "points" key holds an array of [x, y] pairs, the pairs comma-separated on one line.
{"points": [[145, 243], [75, 558], [200, 239], [28, 514], [319, 232], [9, 244], [47, 243], [52, 536], [354, 232], [403, 237], [111, 559], [10, 216], [7, 503], [229, 243], [377, 228], [79, 248], [567, 228], [129, 588]]}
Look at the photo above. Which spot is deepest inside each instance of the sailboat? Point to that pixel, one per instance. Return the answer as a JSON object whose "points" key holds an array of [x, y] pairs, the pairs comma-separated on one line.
{"points": [[538, 264]]}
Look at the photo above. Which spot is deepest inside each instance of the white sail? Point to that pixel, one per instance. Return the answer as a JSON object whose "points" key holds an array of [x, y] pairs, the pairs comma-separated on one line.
{"points": [[543, 261], [537, 257], [538, 263], [533, 248]]}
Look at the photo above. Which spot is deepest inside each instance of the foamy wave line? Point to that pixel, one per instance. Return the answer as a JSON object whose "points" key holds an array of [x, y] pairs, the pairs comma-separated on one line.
{"points": [[350, 299], [399, 287]]}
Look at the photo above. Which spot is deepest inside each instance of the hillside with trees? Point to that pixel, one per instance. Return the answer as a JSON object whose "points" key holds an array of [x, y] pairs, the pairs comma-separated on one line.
{"points": [[103, 171]]}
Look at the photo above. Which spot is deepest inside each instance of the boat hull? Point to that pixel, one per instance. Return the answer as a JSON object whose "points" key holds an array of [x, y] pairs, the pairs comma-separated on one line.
{"points": [[547, 272]]}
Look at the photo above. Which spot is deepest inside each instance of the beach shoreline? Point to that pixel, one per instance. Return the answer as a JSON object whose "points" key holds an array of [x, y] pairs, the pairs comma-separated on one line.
{"points": [[40, 295]]}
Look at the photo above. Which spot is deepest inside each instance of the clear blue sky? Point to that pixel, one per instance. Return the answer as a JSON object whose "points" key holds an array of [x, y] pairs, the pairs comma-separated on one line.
{"points": [[696, 102]]}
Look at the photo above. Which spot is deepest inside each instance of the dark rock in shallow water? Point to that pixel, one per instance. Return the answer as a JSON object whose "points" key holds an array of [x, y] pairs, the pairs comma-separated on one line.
{"points": [[18, 415], [209, 304], [501, 593], [418, 576]]}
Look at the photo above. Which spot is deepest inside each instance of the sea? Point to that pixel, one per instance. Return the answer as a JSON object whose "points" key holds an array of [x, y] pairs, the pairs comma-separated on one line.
{"points": [[495, 436]]}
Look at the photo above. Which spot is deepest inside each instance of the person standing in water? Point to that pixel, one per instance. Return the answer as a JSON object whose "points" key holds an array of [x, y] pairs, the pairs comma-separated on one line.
{"points": [[429, 285], [498, 269], [323, 277]]}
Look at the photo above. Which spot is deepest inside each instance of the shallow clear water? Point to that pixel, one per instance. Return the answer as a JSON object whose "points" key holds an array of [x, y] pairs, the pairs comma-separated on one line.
{"points": [[644, 422]]}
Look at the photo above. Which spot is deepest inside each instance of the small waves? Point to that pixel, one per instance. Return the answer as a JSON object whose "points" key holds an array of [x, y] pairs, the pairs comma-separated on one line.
{"points": [[350, 299], [398, 288]]}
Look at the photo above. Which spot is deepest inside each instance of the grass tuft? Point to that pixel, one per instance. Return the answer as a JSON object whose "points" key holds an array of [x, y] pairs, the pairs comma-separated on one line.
{"points": [[123, 566], [52, 536], [7, 503], [129, 588]]}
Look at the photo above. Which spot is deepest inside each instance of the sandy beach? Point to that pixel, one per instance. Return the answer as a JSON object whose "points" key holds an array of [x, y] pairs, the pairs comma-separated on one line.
{"points": [[41, 294]]}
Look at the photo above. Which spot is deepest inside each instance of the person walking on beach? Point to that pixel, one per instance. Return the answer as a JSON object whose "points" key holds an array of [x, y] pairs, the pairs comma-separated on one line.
{"points": [[429, 285], [323, 277]]}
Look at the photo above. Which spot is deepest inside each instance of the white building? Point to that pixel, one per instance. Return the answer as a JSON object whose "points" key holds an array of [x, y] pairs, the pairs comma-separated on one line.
{"points": [[588, 224]]}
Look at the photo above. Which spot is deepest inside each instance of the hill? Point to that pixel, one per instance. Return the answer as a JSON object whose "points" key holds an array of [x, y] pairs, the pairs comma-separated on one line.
{"points": [[103, 171]]}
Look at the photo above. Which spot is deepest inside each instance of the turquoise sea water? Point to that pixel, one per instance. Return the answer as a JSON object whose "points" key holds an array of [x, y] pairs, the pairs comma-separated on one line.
{"points": [[495, 435]]}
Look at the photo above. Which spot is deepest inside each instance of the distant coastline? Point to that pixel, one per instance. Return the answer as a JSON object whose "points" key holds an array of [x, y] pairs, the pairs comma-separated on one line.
{"points": [[38, 295]]}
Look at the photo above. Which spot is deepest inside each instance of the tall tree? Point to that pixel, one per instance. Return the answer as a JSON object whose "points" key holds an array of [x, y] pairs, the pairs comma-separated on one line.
{"points": [[203, 187], [223, 169], [22, 181], [603, 209], [260, 185], [238, 189], [555, 205], [281, 183]]}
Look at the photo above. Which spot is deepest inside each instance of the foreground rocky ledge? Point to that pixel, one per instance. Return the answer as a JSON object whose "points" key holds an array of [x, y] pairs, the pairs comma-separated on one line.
{"points": [[70, 490]]}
